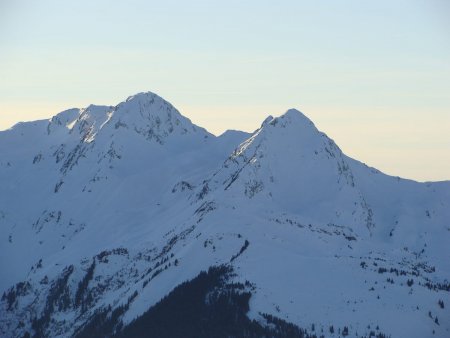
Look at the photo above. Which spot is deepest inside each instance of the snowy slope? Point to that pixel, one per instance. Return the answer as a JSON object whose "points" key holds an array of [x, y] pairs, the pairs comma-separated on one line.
{"points": [[131, 200]]}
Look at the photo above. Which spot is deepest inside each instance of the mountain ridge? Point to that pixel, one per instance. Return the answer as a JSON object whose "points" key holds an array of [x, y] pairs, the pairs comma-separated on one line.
{"points": [[118, 205]]}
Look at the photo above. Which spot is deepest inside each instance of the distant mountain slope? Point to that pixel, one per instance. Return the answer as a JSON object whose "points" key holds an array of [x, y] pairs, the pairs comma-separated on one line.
{"points": [[106, 210]]}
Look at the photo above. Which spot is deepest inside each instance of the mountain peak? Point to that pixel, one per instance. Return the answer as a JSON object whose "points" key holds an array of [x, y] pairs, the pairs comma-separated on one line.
{"points": [[292, 117], [143, 97], [146, 102], [293, 113], [145, 113], [153, 117]]}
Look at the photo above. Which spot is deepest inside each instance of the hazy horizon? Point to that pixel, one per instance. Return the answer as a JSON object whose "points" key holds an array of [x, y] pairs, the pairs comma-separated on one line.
{"points": [[375, 77]]}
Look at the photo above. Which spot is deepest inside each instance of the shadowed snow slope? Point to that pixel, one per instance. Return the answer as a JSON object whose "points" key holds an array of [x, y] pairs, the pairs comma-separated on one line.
{"points": [[112, 206]]}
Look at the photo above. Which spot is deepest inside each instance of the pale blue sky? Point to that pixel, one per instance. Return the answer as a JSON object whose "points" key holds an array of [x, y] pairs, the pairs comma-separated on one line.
{"points": [[373, 75]]}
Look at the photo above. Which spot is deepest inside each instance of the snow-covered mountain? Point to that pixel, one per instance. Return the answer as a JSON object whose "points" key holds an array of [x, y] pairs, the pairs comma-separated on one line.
{"points": [[109, 214]]}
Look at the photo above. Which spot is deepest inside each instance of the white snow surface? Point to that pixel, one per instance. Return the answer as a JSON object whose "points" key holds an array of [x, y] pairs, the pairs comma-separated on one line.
{"points": [[143, 184]]}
